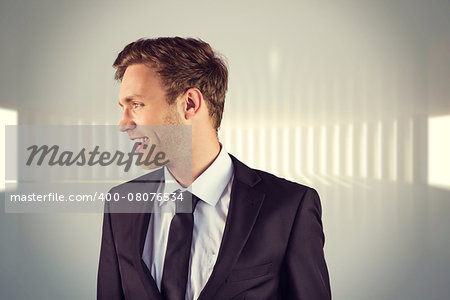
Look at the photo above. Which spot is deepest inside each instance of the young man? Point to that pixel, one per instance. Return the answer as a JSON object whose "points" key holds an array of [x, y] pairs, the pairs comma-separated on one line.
{"points": [[251, 235]]}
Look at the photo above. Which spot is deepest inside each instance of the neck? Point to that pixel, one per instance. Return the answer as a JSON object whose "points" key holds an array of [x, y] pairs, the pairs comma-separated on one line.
{"points": [[203, 156], [204, 152]]}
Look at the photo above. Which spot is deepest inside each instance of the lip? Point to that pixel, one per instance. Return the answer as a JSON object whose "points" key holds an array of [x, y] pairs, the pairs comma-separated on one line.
{"points": [[138, 137], [145, 141]]}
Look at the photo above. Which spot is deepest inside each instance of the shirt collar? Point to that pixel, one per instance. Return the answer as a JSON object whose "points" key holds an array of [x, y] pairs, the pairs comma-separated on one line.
{"points": [[210, 185]]}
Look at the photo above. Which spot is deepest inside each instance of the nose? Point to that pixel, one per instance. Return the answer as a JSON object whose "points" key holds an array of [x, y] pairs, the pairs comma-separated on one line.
{"points": [[126, 123]]}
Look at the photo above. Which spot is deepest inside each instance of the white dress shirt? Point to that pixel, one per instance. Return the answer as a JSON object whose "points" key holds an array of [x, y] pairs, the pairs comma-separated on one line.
{"points": [[213, 188]]}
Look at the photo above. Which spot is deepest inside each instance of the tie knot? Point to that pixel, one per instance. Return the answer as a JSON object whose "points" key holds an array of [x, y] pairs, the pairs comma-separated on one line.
{"points": [[185, 201]]}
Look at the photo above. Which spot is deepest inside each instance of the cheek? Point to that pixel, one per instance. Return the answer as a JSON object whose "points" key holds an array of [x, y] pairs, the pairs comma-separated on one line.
{"points": [[172, 116], [149, 116]]}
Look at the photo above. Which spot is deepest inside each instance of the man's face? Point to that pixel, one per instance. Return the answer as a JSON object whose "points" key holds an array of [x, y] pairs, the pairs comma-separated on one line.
{"points": [[143, 100]]}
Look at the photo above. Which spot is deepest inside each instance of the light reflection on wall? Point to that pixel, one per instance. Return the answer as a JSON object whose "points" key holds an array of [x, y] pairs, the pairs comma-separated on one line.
{"points": [[7, 117], [381, 150], [439, 151]]}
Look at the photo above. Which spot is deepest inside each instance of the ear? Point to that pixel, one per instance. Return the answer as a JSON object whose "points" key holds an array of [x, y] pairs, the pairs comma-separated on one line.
{"points": [[193, 101]]}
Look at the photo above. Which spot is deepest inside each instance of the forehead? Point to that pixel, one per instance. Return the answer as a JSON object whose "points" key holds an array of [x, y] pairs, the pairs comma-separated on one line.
{"points": [[140, 79]]}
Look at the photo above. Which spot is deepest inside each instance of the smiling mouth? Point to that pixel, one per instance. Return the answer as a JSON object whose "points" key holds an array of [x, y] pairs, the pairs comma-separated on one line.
{"points": [[143, 141]]}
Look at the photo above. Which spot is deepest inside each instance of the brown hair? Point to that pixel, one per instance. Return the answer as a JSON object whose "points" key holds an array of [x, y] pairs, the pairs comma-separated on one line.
{"points": [[182, 63]]}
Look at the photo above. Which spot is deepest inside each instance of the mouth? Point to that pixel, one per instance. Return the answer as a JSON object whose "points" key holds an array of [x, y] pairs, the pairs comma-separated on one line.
{"points": [[143, 141]]}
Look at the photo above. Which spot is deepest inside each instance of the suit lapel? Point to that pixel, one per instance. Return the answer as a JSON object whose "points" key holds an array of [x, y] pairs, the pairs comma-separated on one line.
{"points": [[142, 221], [245, 204]]}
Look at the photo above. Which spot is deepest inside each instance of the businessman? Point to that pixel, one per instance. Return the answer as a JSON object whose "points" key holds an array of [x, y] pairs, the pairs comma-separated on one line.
{"points": [[248, 234]]}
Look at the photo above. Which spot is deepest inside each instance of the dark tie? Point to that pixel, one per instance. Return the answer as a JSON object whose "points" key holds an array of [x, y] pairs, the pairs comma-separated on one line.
{"points": [[178, 251]]}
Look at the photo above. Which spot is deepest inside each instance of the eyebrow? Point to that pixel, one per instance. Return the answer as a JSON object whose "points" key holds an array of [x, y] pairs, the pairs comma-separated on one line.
{"points": [[130, 98]]}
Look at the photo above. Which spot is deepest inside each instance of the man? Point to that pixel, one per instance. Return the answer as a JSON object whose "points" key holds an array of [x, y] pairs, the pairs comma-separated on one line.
{"points": [[251, 235]]}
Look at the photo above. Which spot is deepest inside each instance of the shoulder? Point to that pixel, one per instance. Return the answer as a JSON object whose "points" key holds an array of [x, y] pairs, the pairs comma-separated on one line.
{"points": [[146, 180], [270, 184], [133, 195], [272, 180], [281, 190]]}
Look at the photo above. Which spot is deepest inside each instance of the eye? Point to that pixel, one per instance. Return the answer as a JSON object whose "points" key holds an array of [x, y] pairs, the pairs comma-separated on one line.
{"points": [[137, 105]]}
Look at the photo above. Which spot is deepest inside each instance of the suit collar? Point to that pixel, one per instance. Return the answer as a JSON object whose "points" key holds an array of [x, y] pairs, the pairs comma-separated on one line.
{"points": [[243, 173]]}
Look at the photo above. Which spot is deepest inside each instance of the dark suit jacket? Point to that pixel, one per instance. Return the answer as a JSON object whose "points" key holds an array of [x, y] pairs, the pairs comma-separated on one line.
{"points": [[272, 246]]}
